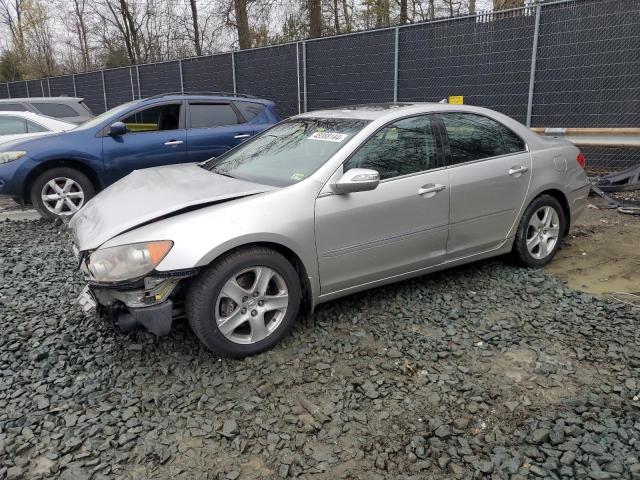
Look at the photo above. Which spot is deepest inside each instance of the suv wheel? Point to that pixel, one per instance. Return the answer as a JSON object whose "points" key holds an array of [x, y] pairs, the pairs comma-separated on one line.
{"points": [[60, 191], [540, 232], [244, 303]]}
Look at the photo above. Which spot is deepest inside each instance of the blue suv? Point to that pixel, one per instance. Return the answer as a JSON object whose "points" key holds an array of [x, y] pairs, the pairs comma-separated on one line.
{"points": [[58, 173]]}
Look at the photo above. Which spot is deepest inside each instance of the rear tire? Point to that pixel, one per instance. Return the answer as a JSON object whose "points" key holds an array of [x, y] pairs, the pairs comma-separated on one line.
{"points": [[540, 232], [60, 191], [245, 302]]}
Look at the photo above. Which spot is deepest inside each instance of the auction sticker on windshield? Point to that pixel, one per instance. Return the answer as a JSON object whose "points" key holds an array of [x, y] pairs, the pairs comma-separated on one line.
{"points": [[328, 136]]}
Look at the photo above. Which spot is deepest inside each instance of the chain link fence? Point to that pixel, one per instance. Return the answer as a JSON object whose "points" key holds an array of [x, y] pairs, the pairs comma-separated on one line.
{"points": [[555, 64]]}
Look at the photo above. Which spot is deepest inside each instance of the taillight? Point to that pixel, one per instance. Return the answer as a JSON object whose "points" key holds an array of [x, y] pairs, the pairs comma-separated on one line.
{"points": [[581, 160]]}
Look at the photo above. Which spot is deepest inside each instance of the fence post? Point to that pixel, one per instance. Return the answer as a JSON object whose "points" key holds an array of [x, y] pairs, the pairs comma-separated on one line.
{"points": [[75, 89], [26, 84], [298, 74], [104, 92], [133, 91], [233, 71], [395, 65], [304, 73], [8, 91], [181, 79], [48, 87], [534, 58], [138, 78], [42, 86]]}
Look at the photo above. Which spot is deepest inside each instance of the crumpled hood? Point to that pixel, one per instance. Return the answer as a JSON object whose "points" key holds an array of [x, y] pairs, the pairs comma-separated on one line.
{"points": [[147, 194]]}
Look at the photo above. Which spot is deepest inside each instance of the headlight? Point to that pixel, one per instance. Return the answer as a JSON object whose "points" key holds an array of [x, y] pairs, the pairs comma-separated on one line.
{"points": [[6, 157], [127, 262]]}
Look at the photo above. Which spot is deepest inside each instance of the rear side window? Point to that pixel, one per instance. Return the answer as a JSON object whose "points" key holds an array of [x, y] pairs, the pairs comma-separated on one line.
{"points": [[55, 110], [13, 107], [474, 137], [33, 127], [250, 110], [206, 115], [161, 117], [12, 125]]}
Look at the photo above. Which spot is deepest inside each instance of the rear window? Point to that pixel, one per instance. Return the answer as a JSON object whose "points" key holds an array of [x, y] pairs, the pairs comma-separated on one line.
{"points": [[250, 110], [206, 115], [56, 110], [13, 107]]}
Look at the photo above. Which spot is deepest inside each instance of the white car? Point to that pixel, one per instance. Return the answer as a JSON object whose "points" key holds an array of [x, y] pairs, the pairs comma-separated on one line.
{"points": [[15, 125]]}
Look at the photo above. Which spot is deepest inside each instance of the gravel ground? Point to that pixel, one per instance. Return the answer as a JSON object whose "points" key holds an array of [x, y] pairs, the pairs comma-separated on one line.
{"points": [[484, 371]]}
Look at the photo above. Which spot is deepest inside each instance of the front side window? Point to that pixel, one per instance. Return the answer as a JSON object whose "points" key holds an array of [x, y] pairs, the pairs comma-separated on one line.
{"points": [[287, 153], [474, 137], [153, 119], [12, 125], [33, 127], [207, 115], [55, 110], [402, 148]]}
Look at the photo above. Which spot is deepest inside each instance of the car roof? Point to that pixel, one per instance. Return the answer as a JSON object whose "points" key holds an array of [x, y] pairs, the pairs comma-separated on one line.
{"points": [[42, 99], [376, 111], [216, 96]]}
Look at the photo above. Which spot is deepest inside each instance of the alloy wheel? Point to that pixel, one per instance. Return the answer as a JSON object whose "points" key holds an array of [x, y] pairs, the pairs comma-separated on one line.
{"points": [[543, 232], [251, 305], [62, 196]]}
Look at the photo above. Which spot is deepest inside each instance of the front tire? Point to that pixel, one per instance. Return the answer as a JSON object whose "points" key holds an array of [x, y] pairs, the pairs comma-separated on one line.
{"points": [[60, 191], [540, 232], [244, 303]]}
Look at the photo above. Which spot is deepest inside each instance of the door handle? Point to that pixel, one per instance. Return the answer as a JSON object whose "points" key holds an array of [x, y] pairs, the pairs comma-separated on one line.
{"points": [[430, 188], [518, 170], [173, 143], [243, 135]]}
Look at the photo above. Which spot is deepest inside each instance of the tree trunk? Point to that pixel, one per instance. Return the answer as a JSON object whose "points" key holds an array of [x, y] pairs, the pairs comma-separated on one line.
{"points": [[432, 9], [336, 17], [242, 24], [81, 30], [472, 7], [403, 12], [196, 28], [315, 18], [347, 17]]}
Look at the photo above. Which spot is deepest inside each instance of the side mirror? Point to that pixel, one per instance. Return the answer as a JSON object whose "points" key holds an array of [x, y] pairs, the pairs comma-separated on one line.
{"points": [[357, 180], [118, 128]]}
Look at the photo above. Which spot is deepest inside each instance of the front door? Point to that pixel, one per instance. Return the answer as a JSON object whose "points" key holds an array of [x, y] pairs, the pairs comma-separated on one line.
{"points": [[490, 169], [156, 136], [400, 226]]}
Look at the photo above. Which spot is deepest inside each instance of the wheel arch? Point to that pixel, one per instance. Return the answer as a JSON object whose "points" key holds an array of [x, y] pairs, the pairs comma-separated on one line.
{"points": [[564, 203], [303, 275], [55, 163]]}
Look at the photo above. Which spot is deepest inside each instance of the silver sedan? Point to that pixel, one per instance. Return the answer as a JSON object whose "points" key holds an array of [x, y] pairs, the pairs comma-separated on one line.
{"points": [[322, 205]]}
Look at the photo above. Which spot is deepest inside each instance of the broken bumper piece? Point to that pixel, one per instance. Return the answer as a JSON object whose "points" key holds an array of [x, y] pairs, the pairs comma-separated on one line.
{"points": [[146, 306]]}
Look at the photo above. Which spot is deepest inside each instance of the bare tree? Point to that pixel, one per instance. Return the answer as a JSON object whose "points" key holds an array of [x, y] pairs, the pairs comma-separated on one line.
{"points": [[315, 18], [404, 14], [472, 7], [196, 29], [347, 16], [80, 29], [11, 15]]}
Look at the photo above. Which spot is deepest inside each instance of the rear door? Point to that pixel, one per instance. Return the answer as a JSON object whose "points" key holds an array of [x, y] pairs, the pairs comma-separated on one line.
{"points": [[213, 128], [156, 137], [489, 170]]}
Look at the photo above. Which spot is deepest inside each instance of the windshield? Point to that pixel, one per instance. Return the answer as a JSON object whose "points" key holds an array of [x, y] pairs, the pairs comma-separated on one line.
{"points": [[287, 153], [95, 121]]}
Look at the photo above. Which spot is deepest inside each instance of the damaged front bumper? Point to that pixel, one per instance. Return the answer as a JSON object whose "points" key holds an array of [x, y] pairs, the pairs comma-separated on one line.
{"points": [[148, 303]]}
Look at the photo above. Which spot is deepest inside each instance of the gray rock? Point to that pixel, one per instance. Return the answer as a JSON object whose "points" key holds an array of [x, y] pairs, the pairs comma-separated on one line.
{"points": [[14, 473], [539, 435]]}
